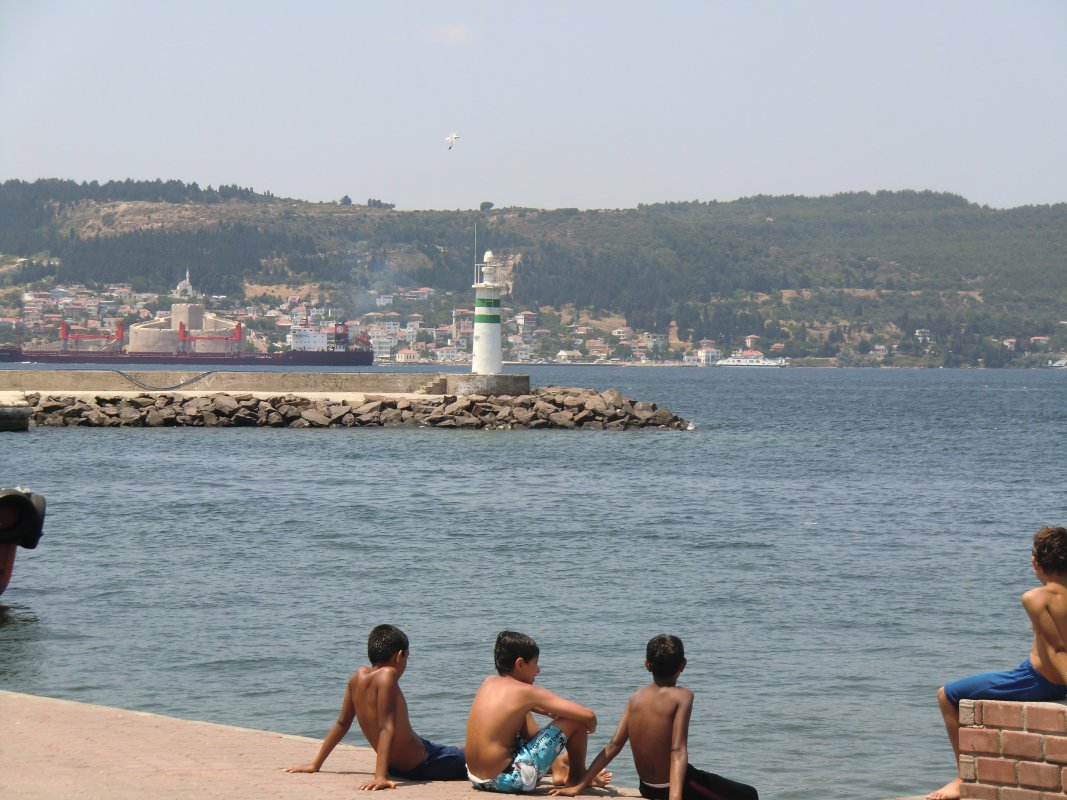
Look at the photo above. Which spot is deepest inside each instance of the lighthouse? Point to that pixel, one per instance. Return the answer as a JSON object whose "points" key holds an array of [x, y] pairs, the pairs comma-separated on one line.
{"points": [[488, 356]]}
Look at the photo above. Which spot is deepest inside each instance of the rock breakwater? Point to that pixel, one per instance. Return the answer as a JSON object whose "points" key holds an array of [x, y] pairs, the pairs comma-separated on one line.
{"points": [[547, 407]]}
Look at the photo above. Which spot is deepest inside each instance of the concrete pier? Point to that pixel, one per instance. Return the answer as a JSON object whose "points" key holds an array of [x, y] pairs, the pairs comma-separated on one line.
{"points": [[303, 383], [59, 750]]}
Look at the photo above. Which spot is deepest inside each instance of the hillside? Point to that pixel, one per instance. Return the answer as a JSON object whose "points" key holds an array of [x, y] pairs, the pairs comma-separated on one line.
{"points": [[859, 262]]}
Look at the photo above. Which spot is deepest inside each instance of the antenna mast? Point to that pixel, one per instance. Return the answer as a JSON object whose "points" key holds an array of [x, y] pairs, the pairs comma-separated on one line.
{"points": [[476, 276]]}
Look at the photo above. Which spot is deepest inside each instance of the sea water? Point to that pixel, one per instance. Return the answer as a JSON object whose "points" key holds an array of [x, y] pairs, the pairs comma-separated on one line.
{"points": [[831, 545]]}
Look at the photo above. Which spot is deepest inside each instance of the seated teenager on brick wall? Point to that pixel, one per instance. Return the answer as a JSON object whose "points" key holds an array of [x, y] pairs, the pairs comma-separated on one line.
{"points": [[1043, 675]]}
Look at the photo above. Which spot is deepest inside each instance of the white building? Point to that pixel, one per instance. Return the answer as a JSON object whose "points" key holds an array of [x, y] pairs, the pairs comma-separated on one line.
{"points": [[707, 356]]}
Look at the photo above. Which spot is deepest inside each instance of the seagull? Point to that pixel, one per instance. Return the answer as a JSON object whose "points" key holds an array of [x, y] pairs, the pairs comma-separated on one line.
{"points": [[451, 139]]}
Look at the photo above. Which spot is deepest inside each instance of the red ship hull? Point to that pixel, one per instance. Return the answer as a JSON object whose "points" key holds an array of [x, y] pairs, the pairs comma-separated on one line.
{"points": [[297, 358]]}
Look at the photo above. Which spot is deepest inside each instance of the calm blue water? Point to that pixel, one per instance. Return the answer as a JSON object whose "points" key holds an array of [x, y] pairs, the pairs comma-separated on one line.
{"points": [[831, 545]]}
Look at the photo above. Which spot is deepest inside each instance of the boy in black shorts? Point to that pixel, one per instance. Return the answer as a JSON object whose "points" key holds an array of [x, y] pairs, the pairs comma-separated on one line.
{"points": [[656, 721]]}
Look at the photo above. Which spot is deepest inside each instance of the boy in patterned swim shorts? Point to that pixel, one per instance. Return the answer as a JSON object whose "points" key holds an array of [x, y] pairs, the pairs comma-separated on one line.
{"points": [[1041, 676], [505, 750]]}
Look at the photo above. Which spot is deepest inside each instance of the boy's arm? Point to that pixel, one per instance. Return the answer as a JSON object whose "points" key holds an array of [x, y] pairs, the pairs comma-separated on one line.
{"points": [[604, 757], [680, 745], [335, 735], [552, 705], [388, 691]]}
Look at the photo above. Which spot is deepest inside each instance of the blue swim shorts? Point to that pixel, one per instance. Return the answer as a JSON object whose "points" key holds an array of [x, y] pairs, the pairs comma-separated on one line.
{"points": [[442, 763], [1022, 683], [531, 763]]}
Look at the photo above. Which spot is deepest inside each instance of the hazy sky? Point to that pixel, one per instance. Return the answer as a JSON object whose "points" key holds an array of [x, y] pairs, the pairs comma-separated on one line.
{"points": [[589, 104]]}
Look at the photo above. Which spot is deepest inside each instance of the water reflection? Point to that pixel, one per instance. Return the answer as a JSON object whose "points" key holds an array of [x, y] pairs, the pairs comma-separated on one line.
{"points": [[14, 616]]}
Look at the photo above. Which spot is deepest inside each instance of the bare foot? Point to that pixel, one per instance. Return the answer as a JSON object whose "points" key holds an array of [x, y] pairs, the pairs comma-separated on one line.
{"points": [[950, 791], [602, 779]]}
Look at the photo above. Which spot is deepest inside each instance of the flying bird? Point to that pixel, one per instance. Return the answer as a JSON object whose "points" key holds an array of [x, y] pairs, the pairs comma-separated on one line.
{"points": [[451, 139]]}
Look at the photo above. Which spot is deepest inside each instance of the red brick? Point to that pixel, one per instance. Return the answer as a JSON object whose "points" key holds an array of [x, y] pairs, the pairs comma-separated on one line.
{"points": [[1011, 793], [1049, 717], [997, 770], [1052, 796], [985, 741], [1021, 745], [1056, 749], [975, 791], [1040, 776], [999, 714]]}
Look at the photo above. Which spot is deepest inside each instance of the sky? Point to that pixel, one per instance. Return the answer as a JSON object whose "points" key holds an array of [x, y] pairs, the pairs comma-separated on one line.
{"points": [[587, 104]]}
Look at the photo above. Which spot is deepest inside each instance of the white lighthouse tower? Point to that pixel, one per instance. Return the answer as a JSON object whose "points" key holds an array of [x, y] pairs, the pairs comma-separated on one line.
{"points": [[488, 356]]}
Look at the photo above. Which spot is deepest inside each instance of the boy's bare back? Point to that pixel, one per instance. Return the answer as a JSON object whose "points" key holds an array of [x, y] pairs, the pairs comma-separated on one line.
{"points": [[657, 719], [381, 709], [1047, 608]]}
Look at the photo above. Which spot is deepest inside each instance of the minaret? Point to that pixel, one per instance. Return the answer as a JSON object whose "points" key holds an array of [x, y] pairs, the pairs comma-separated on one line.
{"points": [[488, 357]]}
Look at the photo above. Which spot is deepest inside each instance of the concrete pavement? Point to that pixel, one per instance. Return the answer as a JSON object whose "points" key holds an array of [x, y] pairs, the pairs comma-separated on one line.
{"points": [[61, 750]]}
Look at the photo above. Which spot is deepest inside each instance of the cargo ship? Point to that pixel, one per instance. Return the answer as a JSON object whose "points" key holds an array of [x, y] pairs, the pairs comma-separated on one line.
{"points": [[351, 357], [310, 347]]}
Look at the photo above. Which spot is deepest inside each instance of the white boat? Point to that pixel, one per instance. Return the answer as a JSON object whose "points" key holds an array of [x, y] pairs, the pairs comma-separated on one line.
{"points": [[750, 358]]}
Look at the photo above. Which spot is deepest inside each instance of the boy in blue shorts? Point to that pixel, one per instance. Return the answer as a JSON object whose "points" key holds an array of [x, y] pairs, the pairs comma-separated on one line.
{"points": [[373, 698], [1040, 677], [505, 750]]}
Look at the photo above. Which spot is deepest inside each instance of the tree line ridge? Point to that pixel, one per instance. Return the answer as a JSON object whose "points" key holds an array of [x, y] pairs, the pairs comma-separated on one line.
{"points": [[849, 267]]}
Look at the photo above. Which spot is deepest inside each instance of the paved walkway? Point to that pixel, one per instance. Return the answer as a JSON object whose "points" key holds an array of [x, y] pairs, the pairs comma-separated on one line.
{"points": [[62, 750]]}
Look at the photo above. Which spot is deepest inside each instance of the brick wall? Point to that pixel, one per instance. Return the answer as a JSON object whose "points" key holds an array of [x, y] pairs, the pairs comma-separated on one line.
{"points": [[1013, 751]]}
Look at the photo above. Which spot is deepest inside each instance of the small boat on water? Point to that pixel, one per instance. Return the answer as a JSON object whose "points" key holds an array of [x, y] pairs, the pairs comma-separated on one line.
{"points": [[21, 523], [750, 358]]}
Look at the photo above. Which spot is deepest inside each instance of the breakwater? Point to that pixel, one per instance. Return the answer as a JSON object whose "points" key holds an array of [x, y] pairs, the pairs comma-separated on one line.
{"points": [[547, 407]]}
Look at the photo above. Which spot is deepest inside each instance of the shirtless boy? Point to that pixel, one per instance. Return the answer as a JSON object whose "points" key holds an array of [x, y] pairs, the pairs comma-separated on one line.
{"points": [[1041, 676], [656, 722], [505, 750], [373, 697]]}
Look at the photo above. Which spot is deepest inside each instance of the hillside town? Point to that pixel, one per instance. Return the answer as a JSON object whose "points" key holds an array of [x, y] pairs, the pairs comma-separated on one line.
{"points": [[422, 326]]}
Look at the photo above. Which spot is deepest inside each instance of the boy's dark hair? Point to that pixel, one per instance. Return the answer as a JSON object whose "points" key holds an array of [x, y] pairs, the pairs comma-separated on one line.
{"points": [[383, 641], [511, 646], [1050, 549], [665, 655]]}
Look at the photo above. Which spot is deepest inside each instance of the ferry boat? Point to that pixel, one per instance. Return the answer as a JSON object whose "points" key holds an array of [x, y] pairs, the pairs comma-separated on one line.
{"points": [[750, 358]]}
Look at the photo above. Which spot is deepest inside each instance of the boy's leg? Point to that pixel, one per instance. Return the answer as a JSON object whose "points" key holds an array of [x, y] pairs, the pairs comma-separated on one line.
{"points": [[577, 743], [701, 785], [561, 769], [950, 713], [442, 763]]}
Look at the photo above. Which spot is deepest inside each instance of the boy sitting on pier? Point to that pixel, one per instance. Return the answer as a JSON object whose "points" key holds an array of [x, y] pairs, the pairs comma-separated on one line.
{"points": [[1043, 674], [505, 750], [373, 697], [656, 722]]}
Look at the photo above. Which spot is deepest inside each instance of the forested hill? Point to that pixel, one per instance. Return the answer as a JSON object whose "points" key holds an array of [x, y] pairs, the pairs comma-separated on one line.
{"points": [[858, 257]]}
